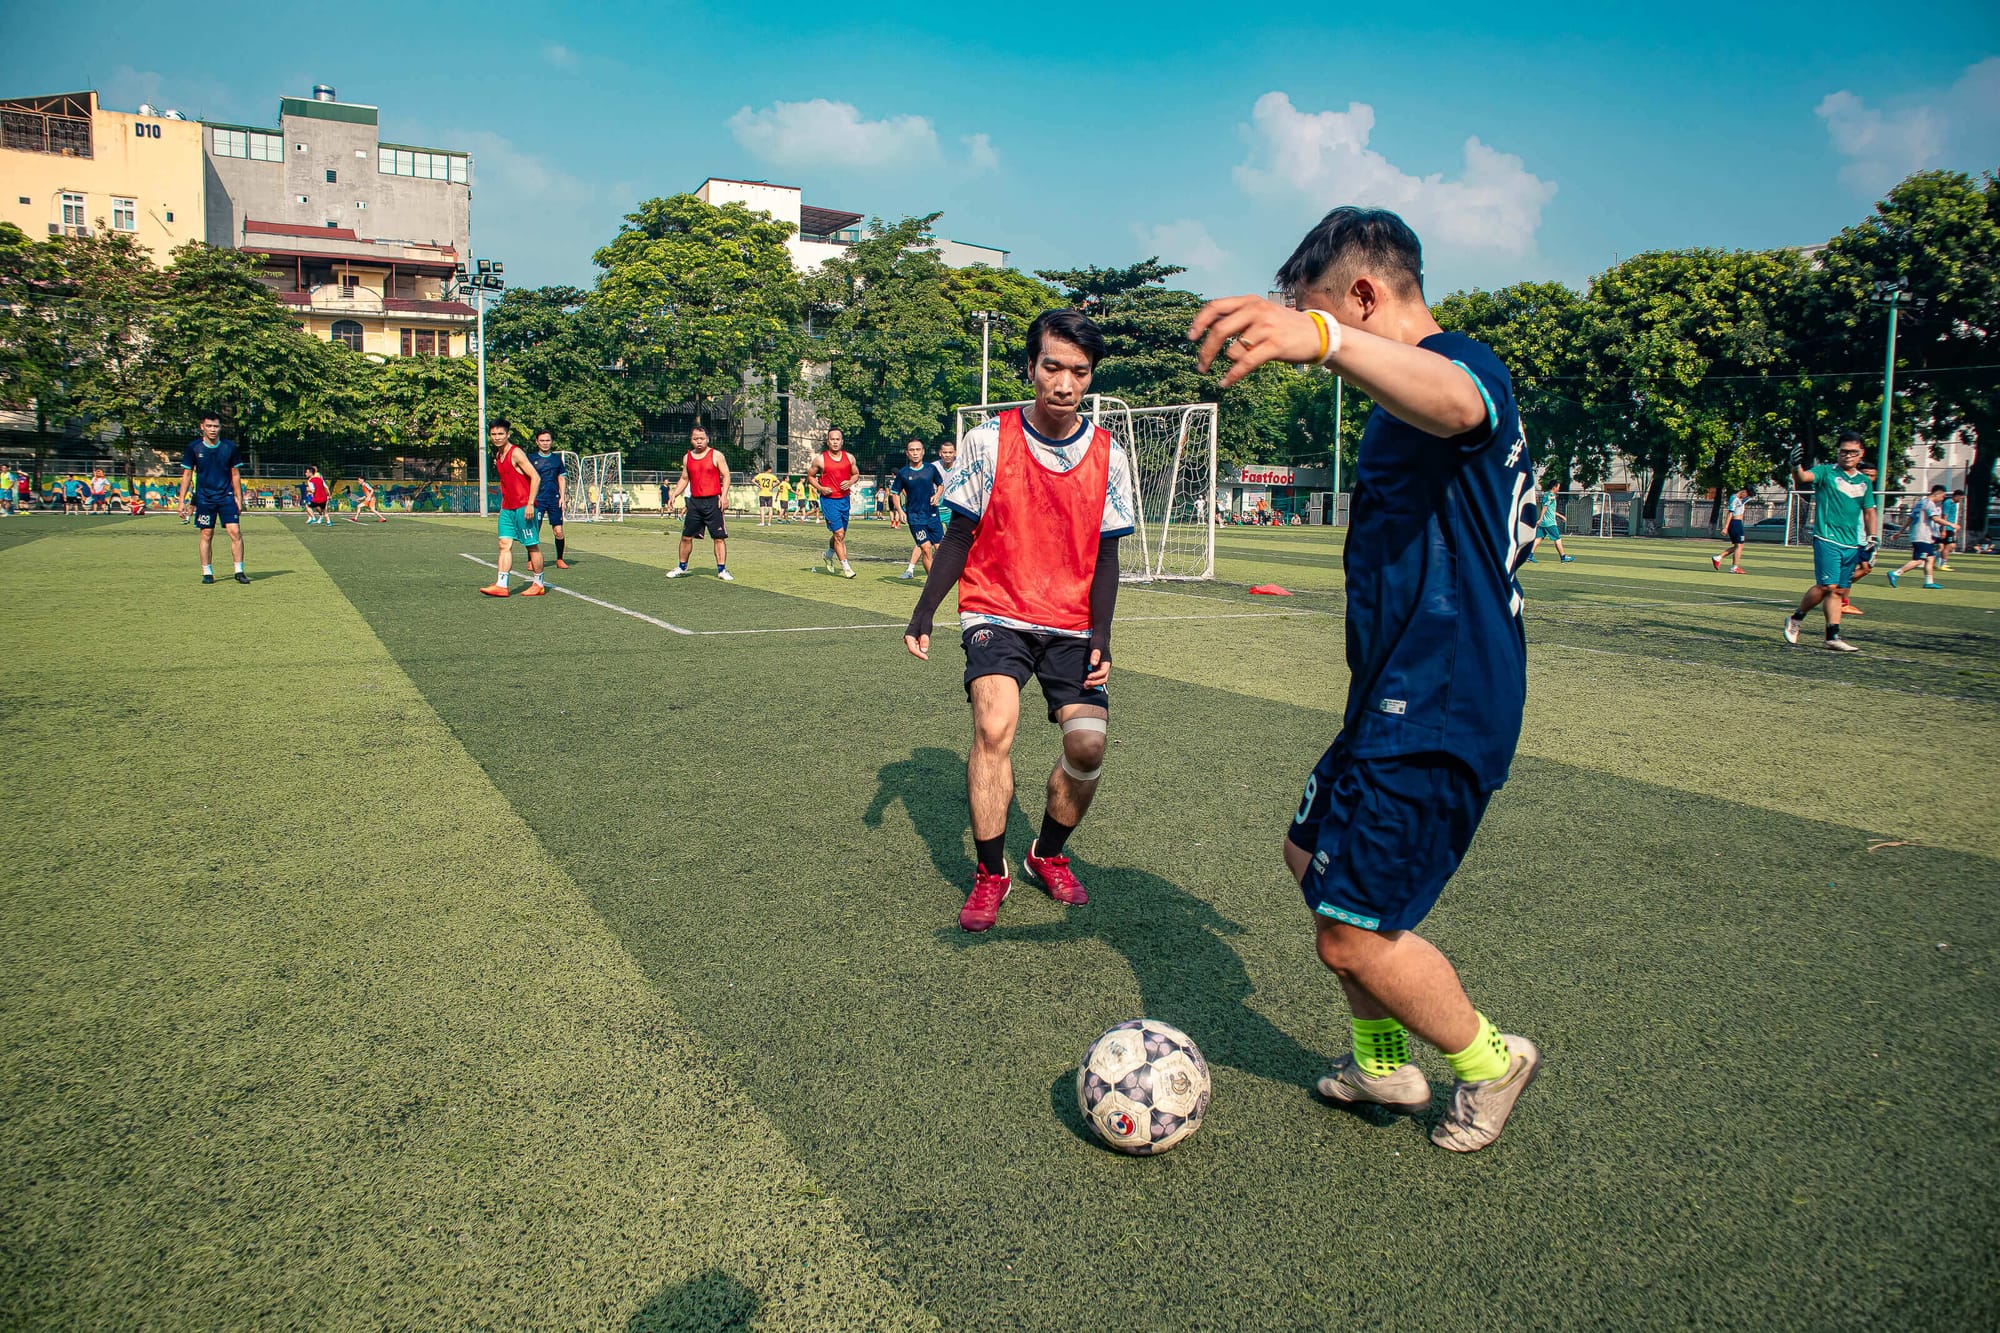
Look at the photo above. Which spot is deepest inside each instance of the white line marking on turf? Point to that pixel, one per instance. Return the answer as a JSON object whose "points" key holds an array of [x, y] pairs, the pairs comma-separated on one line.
{"points": [[608, 606], [801, 629]]}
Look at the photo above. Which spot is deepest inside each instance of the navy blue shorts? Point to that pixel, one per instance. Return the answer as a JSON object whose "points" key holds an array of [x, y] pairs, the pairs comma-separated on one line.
{"points": [[1059, 661], [549, 514], [1384, 834], [207, 514], [927, 529], [1735, 530]]}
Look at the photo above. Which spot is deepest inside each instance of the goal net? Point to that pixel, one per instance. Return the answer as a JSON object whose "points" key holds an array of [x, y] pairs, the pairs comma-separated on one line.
{"points": [[596, 487], [1172, 451]]}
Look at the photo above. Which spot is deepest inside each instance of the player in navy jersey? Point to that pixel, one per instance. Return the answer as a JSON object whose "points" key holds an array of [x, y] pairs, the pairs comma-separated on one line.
{"points": [[552, 492], [913, 496], [210, 468], [1445, 501]]}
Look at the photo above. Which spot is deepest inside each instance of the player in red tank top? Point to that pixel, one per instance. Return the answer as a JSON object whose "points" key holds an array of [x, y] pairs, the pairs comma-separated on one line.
{"points": [[832, 477], [518, 483], [705, 480], [1041, 497]]}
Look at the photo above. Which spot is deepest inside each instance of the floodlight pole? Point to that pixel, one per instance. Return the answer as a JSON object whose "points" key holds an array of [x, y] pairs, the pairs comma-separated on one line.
{"points": [[479, 306], [1894, 295], [1338, 408], [985, 348]]}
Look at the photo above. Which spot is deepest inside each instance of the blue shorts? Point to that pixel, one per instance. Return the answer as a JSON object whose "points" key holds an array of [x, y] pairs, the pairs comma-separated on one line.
{"points": [[207, 513], [926, 529], [834, 512], [549, 514], [1735, 531], [1833, 566], [1384, 834], [1923, 550]]}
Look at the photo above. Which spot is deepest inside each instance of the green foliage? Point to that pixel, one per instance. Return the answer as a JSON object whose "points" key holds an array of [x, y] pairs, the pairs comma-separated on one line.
{"points": [[428, 406], [698, 297], [557, 347], [1017, 299]]}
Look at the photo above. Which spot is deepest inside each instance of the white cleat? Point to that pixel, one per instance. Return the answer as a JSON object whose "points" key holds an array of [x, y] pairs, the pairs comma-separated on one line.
{"points": [[725, 576], [1791, 629], [677, 573], [1836, 644], [1479, 1111]]}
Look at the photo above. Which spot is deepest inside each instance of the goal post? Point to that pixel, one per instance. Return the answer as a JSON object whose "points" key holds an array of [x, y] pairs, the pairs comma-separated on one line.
{"points": [[596, 487], [1172, 451]]}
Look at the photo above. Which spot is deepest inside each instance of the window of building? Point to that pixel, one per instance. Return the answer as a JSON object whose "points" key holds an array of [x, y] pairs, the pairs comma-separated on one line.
{"points": [[361, 203], [302, 199], [72, 210], [59, 125], [426, 342], [348, 282], [170, 215], [347, 331], [24, 198], [266, 148], [124, 215], [332, 177], [424, 166], [299, 147], [249, 144]]}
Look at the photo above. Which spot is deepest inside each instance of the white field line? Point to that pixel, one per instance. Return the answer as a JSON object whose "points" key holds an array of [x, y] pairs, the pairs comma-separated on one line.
{"points": [[609, 606]]}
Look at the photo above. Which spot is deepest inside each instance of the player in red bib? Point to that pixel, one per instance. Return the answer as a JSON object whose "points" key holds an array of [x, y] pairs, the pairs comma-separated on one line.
{"points": [[705, 480], [317, 496], [518, 484], [1042, 497], [832, 477]]}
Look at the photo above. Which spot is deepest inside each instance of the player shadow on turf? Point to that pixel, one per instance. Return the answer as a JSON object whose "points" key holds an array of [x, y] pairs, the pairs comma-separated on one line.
{"points": [[714, 1300], [1188, 974]]}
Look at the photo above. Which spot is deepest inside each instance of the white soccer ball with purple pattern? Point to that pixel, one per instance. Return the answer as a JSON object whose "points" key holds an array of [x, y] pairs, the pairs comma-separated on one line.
{"points": [[1143, 1087]]}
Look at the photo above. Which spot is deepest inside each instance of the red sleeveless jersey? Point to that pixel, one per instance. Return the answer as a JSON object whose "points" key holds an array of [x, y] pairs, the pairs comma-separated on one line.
{"points": [[319, 490], [836, 473], [513, 486], [1036, 548], [703, 476]]}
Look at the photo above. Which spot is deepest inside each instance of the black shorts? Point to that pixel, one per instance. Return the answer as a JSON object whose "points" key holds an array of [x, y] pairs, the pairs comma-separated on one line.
{"points": [[704, 511], [1384, 834], [1058, 661], [764, 501], [1735, 531]]}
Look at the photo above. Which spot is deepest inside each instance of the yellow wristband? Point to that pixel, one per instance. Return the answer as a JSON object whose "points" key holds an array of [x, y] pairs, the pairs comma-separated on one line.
{"points": [[1329, 334]]}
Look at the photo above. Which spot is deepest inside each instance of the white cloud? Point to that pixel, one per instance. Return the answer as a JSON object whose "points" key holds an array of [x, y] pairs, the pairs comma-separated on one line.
{"points": [[1959, 125], [1324, 159], [1186, 243], [559, 55], [820, 133], [979, 152]]}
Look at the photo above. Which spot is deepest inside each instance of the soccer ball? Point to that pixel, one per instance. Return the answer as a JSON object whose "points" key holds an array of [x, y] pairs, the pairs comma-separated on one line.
{"points": [[1143, 1087]]}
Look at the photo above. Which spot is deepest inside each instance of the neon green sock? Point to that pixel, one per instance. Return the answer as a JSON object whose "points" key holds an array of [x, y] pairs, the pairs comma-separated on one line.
{"points": [[1381, 1045], [1487, 1057]]}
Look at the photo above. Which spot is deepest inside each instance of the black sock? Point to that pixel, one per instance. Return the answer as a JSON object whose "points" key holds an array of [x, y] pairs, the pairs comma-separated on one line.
{"points": [[1053, 836], [559, 548], [1833, 631], [991, 852]]}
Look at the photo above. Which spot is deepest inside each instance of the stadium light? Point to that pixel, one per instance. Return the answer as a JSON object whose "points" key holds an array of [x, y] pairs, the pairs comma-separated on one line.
{"points": [[483, 278], [985, 318]]}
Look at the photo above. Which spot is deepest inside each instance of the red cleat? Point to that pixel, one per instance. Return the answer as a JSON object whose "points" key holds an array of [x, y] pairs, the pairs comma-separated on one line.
{"points": [[1053, 874], [982, 908], [535, 590], [1848, 608], [1716, 560], [494, 590]]}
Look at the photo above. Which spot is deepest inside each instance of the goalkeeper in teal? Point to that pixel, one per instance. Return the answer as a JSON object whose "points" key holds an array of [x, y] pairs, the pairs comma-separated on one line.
{"points": [[1846, 525], [1548, 528]]}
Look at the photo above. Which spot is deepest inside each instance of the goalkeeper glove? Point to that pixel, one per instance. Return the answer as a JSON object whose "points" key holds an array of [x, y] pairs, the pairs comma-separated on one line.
{"points": [[1868, 549]]}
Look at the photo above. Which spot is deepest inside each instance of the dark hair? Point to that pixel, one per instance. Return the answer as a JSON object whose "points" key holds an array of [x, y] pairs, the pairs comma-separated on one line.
{"points": [[207, 417], [1959, 491], [1352, 240], [541, 431], [502, 423], [1071, 326], [1935, 489], [698, 426], [1850, 437]]}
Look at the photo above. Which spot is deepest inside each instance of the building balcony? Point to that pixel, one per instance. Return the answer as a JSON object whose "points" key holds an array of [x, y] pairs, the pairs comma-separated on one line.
{"points": [[356, 302]]}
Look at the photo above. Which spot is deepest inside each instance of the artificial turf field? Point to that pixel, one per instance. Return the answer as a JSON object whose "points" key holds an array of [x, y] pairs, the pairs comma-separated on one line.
{"points": [[373, 953]]}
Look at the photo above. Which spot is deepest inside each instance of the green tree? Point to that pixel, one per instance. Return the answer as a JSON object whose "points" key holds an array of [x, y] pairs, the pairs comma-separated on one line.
{"points": [[556, 348], [1938, 234], [1016, 298], [428, 406], [1536, 329], [892, 341], [701, 302], [221, 342]]}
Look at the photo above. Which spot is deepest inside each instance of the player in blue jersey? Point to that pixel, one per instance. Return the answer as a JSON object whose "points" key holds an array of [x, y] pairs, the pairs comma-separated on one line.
{"points": [[1948, 530], [552, 491], [211, 469], [1445, 503], [913, 496]]}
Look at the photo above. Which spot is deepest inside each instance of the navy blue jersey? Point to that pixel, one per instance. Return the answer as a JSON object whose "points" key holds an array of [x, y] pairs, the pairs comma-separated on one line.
{"points": [[550, 468], [211, 465], [919, 486], [1435, 651]]}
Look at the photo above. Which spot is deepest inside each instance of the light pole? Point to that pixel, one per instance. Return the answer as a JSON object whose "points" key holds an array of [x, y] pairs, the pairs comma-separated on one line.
{"points": [[985, 318], [1338, 407], [486, 277], [1895, 295]]}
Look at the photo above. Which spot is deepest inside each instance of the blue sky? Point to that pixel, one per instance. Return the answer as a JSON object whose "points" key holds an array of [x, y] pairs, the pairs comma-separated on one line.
{"points": [[1523, 141]]}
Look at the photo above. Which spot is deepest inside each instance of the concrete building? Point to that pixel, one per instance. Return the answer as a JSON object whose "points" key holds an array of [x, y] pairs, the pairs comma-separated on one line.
{"points": [[69, 167], [381, 298], [822, 233], [325, 165]]}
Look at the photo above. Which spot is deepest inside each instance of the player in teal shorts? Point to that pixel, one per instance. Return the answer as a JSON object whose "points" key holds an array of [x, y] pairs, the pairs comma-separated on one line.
{"points": [[1549, 529], [1845, 525]]}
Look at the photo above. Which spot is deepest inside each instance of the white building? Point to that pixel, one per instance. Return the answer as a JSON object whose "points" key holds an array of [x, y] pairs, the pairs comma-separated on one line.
{"points": [[821, 233]]}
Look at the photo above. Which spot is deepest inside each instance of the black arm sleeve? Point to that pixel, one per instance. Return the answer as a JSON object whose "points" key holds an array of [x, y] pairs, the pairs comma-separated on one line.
{"points": [[1103, 595], [946, 568]]}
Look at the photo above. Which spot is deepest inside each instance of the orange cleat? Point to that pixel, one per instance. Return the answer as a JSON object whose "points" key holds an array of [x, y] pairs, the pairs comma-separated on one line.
{"points": [[535, 590], [494, 590], [562, 564]]}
